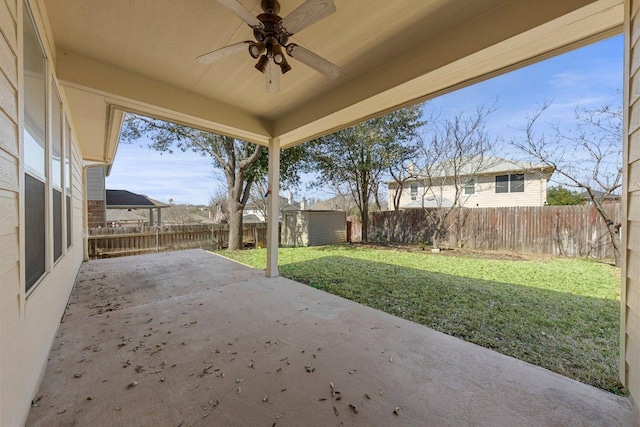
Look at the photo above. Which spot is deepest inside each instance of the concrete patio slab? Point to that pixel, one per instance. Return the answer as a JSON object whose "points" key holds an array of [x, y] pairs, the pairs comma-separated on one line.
{"points": [[193, 339]]}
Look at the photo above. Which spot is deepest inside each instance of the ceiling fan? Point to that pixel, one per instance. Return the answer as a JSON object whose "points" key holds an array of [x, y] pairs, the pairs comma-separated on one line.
{"points": [[272, 38]]}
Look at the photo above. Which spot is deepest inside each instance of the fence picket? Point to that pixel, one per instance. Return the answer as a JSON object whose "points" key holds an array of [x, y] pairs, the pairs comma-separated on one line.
{"points": [[555, 230], [123, 241]]}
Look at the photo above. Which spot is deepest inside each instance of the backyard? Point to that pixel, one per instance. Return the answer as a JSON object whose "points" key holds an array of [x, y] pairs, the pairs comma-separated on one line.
{"points": [[558, 313]]}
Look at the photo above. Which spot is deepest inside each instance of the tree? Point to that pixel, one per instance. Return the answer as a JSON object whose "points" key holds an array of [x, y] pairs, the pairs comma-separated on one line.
{"points": [[401, 168], [242, 162], [257, 197], [455, 150], [358, 157], [560, 196], [586, 155]]}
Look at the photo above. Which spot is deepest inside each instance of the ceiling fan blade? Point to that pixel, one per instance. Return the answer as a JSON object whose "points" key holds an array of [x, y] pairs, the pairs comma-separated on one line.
{"points": [[306, 14], [217, 54], [312, 60], [272, 77], [241, 12]]}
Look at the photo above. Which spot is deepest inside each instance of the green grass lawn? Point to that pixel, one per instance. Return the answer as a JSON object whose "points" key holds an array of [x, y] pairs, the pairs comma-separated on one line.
{"points": [[561, 314]]}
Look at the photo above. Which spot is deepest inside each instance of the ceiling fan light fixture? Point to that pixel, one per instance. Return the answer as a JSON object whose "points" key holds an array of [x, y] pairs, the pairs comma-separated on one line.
{"points": [[284, 66], [256, 49], [262, 64], [277, 55], [272, 33]]}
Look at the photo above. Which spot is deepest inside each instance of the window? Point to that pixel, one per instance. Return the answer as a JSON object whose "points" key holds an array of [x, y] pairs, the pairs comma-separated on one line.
{"points": [[414, 191], [35, 152], [470, 187], [56, 172], [67, 180], [510, 183], [517, 183]]}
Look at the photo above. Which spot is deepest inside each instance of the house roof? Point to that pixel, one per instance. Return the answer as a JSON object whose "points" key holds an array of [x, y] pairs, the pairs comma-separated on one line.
{"points": [[585, 196], [124, 215], [490, 166], [115, 56], [251, 218], [428, 202], [126, 199], [336, 203]]}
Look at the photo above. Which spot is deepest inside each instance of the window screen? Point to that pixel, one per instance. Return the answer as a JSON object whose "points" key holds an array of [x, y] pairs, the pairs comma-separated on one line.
{"points": [[57, 224], [34, 231], [517, 183], [414, 190], [470, 187], [69, 213], [67, 179], [502, 184]]}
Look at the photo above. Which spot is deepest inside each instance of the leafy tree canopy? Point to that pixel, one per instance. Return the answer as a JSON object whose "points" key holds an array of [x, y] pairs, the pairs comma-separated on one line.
{"points": [[560, 196]]}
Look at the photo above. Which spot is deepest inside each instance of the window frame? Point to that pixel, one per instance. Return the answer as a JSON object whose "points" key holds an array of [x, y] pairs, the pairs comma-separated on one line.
{"points": [[509, 183], [57, 188], [29, 286], [413, 191], [67, 182], [473, 181]]}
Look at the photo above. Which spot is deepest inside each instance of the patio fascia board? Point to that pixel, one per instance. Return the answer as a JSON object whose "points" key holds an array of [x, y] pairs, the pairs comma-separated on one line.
{"points": [[383, 91], [130, 93]]}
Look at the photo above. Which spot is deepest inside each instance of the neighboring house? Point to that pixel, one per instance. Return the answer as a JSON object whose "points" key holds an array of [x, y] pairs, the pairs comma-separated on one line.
{"points": [[337, 203], [611, 198], [99, 199], [502, 183], [255, 212], [123, 199], [125, 217]]}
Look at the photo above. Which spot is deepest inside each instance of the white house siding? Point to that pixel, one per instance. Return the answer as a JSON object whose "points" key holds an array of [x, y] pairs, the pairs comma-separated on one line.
{"points": [[27, 323], [326, 228], [630, 301], [535, 193]]}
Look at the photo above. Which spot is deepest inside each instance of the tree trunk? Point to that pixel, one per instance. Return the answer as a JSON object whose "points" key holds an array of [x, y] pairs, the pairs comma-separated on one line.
{"points": [[235, 226], [365, 222], [612, 228], [364, 208], [614, 231], [434, 239]]}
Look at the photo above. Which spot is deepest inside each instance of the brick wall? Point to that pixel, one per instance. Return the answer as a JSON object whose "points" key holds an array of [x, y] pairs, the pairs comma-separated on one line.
{"points": [[95, 213]]}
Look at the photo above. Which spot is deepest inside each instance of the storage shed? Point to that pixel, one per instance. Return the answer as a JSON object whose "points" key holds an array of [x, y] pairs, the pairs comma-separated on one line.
{"points": [[313, 228]]}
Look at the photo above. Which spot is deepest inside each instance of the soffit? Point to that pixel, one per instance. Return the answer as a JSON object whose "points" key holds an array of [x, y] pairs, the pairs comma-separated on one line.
{"points": [[151, 46]]}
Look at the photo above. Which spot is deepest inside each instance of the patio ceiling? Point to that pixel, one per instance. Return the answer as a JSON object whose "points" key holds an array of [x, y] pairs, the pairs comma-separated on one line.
{"points": [[118, 55]]}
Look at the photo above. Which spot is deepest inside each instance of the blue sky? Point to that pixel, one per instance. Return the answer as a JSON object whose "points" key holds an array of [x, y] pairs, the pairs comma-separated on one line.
{"points": [[589, 76]]}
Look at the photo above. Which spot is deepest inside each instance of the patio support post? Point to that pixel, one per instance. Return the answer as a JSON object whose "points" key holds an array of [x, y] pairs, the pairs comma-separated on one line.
{"points": [[159, 217], [273, 213]]}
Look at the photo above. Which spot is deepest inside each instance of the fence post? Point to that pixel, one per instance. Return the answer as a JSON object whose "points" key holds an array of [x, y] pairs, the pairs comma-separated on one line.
{"points": [[157, 232], [213, 241]]}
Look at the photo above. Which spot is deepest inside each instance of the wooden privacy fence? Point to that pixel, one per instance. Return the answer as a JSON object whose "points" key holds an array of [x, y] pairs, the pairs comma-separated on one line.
{"points": [[554, 230], [122, 241]]}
